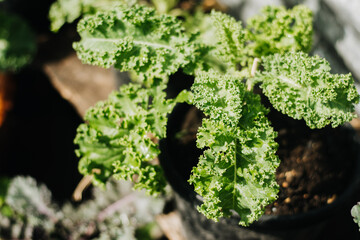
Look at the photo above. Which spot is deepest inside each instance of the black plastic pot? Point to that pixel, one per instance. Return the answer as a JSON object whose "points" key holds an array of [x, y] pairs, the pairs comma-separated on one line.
{"points": [[310, 225]]}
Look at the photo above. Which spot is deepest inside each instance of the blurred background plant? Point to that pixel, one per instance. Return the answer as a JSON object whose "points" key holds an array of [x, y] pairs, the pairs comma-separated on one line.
{"points": [[28, 212]]}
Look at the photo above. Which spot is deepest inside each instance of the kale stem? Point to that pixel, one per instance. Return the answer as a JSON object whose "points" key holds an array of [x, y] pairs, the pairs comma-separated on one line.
{"points": [[252, 73]]}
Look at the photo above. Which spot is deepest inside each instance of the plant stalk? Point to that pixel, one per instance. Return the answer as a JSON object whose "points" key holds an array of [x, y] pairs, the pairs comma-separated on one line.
{"points": [[252, 73], [83, 184]]}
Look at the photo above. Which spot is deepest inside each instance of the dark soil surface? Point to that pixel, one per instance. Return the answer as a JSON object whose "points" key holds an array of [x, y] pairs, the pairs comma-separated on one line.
{"points": [[316, 165]]}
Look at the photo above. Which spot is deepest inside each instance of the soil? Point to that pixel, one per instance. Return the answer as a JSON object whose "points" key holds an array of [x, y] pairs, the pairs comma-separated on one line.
{"points": [[316, 165]]}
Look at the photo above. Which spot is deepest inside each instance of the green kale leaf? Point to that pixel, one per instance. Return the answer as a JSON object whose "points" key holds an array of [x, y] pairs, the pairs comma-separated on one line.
{"points": [[67, 11], [279, 30], [303, 88], [219, 97], [120, 137], [230, 37], [237, 170], [137, 39]]}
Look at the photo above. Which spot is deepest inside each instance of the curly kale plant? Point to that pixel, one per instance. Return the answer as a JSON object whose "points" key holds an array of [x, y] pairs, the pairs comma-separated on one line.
{"points": [[237, 169]]}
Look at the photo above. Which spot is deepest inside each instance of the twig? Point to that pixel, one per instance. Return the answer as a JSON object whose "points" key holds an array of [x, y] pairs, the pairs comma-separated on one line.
{"points": [[83, 184]]}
